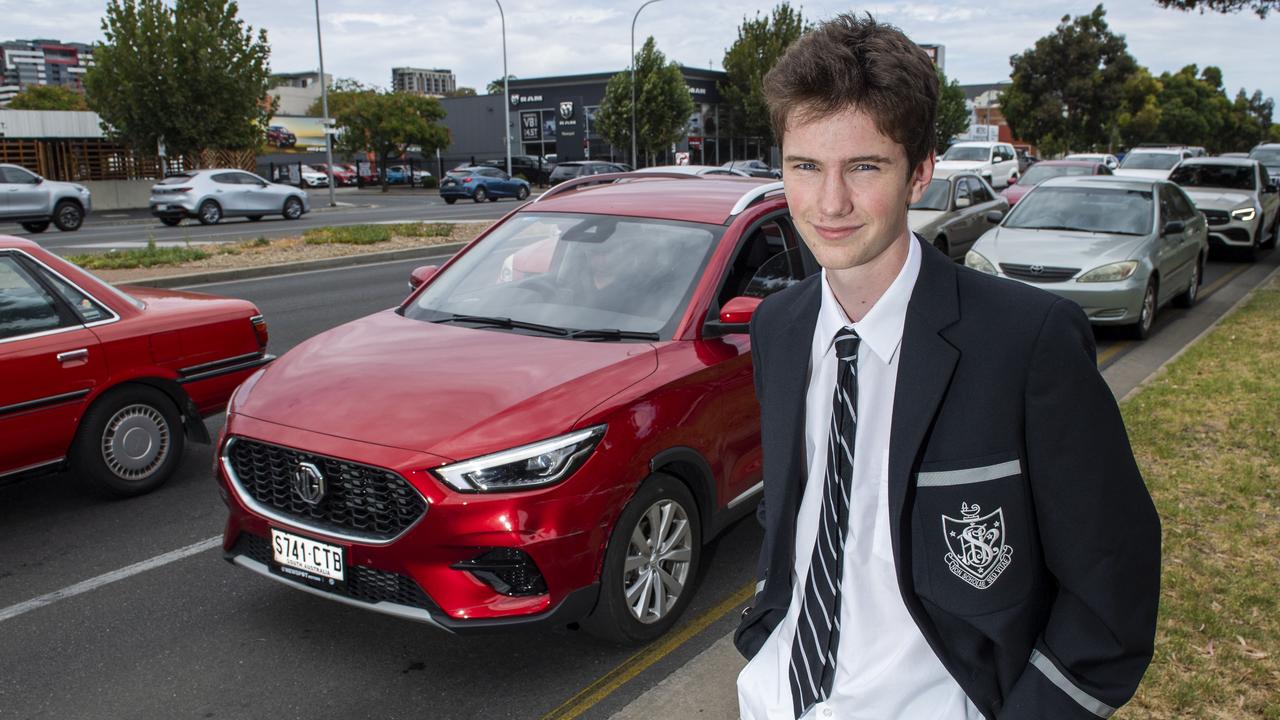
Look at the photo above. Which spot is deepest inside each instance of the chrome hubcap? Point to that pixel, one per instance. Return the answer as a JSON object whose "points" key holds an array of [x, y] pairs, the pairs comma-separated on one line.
{"points": [[293, 210], [1148, 306], [136, 442], [658, 558]]}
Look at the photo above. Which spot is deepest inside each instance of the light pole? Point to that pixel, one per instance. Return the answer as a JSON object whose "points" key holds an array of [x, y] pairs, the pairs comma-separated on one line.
{"points": [[634, 164], [506, 89], [324, 109]]}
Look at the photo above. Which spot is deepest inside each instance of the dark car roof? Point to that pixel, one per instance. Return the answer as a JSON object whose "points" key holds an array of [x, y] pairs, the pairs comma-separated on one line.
{"points": [[700, 198]]}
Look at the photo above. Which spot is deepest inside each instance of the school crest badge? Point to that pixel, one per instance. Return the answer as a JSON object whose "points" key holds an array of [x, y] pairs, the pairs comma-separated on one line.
{"points": [[976, 541]]}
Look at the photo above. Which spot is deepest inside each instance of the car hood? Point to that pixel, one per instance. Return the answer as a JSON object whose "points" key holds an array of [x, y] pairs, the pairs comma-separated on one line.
{"points": [[1149, 174], [1057, 248], [1217, 199], [456, 392], [950, 166], [920, 220]]}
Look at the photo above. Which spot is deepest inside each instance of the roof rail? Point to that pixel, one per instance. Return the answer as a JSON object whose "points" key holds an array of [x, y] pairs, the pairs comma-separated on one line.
{"points": [[606, 178], [753, 195]]}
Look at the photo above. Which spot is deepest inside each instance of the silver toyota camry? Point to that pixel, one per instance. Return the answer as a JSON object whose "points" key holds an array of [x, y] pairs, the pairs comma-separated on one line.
{"points": [[210, 195], [1120, 248]]}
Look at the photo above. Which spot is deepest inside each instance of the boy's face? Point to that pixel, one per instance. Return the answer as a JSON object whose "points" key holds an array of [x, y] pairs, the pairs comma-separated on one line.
{"points": [[848, 187]]}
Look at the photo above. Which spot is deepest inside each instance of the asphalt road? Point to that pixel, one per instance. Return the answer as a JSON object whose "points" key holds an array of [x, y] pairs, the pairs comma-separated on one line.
{"points": [[125, 229], [194, 637]]}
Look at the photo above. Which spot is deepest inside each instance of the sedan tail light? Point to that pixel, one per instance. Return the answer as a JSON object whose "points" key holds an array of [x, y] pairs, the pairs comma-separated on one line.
{"points": [[466, 179], [260, 329]]}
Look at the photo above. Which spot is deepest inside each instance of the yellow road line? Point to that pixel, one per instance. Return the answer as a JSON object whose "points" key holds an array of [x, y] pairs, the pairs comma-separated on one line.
{"points": [[638, 663], [1112, 350], [1217, 284]]}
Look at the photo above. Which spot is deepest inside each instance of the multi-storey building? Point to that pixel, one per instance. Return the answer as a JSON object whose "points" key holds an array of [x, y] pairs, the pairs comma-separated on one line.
{"points": [[41, 62], [422, 81]]}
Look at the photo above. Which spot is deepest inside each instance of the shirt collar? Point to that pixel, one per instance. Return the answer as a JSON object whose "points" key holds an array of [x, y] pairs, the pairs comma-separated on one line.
{"points": [[881, 328]]}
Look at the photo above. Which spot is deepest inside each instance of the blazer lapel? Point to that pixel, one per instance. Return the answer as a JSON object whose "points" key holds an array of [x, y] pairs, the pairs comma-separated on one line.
{"points": [[792, 376], [924, 372]]}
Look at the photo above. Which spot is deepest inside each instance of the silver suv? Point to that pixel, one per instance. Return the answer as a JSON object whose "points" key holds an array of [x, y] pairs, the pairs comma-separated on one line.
{"points": [[211, 195], [33, 202]]}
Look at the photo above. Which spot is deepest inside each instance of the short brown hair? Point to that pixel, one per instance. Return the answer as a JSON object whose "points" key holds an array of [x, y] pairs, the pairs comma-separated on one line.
{"points": [[852, 62]]}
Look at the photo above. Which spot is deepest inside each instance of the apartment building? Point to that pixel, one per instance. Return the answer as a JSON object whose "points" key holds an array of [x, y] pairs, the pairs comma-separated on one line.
{"points": [[41, 62], [422, 81]]}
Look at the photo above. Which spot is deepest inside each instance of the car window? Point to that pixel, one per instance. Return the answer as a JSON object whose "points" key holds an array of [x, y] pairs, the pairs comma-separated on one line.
{"points": [[962, 191], [25, 306], [1183, 208], [1230, 177], [249, 179], [935, 196], [743, 278], [89, 310], [966, 153], [17, 176], [230, 178], [1150, 161], [978, 191]]}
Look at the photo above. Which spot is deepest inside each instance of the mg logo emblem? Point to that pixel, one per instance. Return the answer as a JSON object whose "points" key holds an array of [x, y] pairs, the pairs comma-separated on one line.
{"points": [[308, 483], [1037, 269], [566, 109]]}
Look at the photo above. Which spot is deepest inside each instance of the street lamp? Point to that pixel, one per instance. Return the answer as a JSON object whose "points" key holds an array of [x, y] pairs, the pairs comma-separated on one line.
{"points": [[324, 109], [506, 89], [634, 164]]}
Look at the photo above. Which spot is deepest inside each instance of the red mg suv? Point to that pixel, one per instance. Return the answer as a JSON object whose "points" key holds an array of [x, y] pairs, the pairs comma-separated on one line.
{"points": [[546, 431]]}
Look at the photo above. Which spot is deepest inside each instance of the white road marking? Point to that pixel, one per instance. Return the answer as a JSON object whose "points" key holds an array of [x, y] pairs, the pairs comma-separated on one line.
{"points": [[106, 578]]}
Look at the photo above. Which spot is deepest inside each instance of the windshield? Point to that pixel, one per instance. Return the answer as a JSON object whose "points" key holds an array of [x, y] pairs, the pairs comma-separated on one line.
{"points": [[1150, 161], [935, 196], [967, 153], [577, 272], [1267, 156], [1037, 174], [1085, 209], [1231, 177]]}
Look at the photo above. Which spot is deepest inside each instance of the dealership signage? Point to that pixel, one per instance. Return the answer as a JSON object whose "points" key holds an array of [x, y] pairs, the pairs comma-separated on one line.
{"points": [[530, 127], [517, 99]]}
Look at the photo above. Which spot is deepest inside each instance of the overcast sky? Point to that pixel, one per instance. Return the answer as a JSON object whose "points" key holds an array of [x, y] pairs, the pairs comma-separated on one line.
{"points": [[364, 39]]}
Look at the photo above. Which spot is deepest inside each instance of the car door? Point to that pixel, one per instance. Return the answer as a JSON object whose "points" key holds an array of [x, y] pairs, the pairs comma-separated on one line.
{"points": [[972, 221], [1194, 238], [1268, 198], [1171, 249], [257, 194], [44, 342], [229, 193], [24, 196]]}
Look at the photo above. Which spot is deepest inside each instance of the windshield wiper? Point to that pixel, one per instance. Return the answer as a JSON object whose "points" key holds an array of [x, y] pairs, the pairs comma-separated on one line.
{"points": [[505, 323], [612, 334]]}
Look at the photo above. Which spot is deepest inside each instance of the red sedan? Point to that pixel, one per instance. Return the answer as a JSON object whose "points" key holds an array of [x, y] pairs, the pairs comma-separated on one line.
{"points": [[1046, 169], [342, 177], [547, 430], [111, 381]]}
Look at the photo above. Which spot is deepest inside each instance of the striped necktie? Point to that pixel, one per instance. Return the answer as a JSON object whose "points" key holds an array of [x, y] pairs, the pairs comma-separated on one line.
{"points": [[813, 651]]}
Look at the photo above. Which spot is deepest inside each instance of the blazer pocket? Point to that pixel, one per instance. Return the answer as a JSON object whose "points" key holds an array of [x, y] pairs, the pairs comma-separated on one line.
{"points": [[978, 541]]}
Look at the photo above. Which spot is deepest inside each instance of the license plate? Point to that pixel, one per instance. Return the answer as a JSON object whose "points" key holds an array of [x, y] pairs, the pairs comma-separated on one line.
{"points": [[307, 559]]}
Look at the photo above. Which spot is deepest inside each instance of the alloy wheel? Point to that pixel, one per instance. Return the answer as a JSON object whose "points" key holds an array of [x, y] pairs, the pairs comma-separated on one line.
{"points": [[656, 570]]}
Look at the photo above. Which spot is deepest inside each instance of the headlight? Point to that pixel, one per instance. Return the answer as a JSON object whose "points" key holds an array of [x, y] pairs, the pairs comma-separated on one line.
{"points": [[525, 467], [1244, 214], [977, 262], [1110, 273]]}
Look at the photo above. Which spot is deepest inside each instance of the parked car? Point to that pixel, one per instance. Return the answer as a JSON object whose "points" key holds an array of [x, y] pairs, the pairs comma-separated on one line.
{"points": [[533, 168], [111, 382], [312, 177], [480, 183], [342, 177], [366, 173], [1051, 168], [33, 202], [695, 170], [400, 174], [545, 447], [281, 137], [1239, 200], [1152, 162], [995, 162], [1111, 161], [1119, 247], [1269, 155], [579, 168], [754, 168], [211, 195], [953, 212]]}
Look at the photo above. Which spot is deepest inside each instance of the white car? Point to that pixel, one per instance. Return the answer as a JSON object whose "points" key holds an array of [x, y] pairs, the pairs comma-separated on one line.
{"points": [[1105, 158], [1152, 163], [210, 195], [995, 162], [1241, 203], [312, 177]]}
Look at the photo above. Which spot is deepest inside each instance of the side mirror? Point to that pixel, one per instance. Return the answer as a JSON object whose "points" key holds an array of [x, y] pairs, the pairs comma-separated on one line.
{"points": [[1173, 227], [39, 180], [734, 316], [1273, 187], [995, 216], [420, 275]]}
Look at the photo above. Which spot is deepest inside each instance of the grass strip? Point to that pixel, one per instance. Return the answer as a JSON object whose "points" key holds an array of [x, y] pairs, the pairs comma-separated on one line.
{"points": [[1205, 433], [372, 234], [150, 256]]}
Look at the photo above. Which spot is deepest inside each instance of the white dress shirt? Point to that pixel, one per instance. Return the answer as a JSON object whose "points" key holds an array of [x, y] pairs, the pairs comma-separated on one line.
{"points": [[884, 667]]}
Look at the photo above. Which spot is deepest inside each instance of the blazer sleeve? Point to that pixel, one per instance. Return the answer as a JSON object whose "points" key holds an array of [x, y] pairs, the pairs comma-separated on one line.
{"points": [[1099, 532]]}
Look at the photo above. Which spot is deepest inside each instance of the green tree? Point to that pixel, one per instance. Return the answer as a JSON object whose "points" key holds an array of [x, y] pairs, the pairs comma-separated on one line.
{"points": [[193, 75], [1261, 7], [1140, 114], [461, 92], [387, 123], [663, 105], [761, 42], [953, 116], [1066, 90], [1193, 107], [495, 86], [48, 97]]}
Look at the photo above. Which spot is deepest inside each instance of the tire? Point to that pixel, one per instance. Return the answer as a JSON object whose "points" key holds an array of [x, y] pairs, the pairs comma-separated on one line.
{"points": [[1147, 316], [68, 216], [493, 198], [1187, 297], [36, 227], [129, 442], [292, 209], [615, 617], [1270, 242], [254, 218], [210, 213], [171, 222], [481, 195], [941, 243], [451, 200], [522, 193]]}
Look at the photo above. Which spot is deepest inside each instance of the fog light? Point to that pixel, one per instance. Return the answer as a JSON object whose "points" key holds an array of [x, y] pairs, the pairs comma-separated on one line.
{"points": [[507, 570]]}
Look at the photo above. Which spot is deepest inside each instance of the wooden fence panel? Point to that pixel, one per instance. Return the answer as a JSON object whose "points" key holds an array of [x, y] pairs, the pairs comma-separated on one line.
{"points": [[96, 159]]}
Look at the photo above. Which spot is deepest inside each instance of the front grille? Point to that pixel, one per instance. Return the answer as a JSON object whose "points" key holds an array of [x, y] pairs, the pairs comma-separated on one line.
{"points": [[359, 500], [363, 583], [1038, 273], [1217, 217]]}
